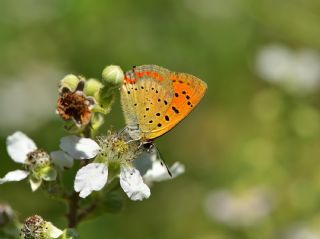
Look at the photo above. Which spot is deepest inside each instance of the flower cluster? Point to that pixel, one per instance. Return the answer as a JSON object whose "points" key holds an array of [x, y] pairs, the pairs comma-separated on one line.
{"points": [[113, 158], [107, 162]]}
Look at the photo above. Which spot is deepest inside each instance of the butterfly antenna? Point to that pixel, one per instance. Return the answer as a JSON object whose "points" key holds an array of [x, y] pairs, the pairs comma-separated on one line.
{"points": [[163, 163]]}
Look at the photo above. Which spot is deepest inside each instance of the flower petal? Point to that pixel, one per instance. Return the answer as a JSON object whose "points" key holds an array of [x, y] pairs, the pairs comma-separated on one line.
{"points": [[133, 185], [35, 183], [61, 159], [159, 172], [16, 175], [91, 177], [79, 148], [53, 231], [154, 169], [19, 145]]}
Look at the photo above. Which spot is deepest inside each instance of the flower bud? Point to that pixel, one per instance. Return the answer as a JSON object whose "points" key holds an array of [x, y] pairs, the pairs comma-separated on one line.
{"points": [[37, 228], [92, 87], [70, 81], [112, 76]]}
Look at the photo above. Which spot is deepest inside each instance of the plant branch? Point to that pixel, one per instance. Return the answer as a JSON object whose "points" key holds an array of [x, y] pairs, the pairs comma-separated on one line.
{"points": [[72, 215]]}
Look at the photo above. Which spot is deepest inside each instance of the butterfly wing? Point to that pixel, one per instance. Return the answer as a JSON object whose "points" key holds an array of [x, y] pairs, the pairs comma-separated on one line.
{"points": [[154, 100], [146, 93], [188, 92]]}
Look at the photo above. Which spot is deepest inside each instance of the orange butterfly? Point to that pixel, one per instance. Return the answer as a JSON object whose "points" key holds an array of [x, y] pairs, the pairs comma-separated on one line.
{"points": [[154, 100]]}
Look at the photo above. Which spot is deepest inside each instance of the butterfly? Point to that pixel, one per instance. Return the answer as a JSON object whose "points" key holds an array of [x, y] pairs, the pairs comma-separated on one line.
{"points": [[154, 100]]}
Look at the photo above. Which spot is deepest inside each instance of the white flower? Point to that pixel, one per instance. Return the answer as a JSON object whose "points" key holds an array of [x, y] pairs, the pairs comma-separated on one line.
{"points": [[133, 185], [16, 175], [297, 71], [18, 146], [53, 231], [94, 176], [23, 150], [91, 177], [74, 147], [154, 170], [159, 172], [79, 148]]}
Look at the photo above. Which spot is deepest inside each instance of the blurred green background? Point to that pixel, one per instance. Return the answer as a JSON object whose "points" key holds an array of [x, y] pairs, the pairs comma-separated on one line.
{"points": [[251, 149]]}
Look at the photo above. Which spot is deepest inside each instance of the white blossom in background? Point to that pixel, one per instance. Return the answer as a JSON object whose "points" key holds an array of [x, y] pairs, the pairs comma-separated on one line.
{"points": [[94, 176], [298, 71], [239, 210], [302, 232]]}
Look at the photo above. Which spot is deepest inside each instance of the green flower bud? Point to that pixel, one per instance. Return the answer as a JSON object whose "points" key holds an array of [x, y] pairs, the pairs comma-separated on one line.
{"points": [[112, 76], [69, 81], [92, 87]]}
